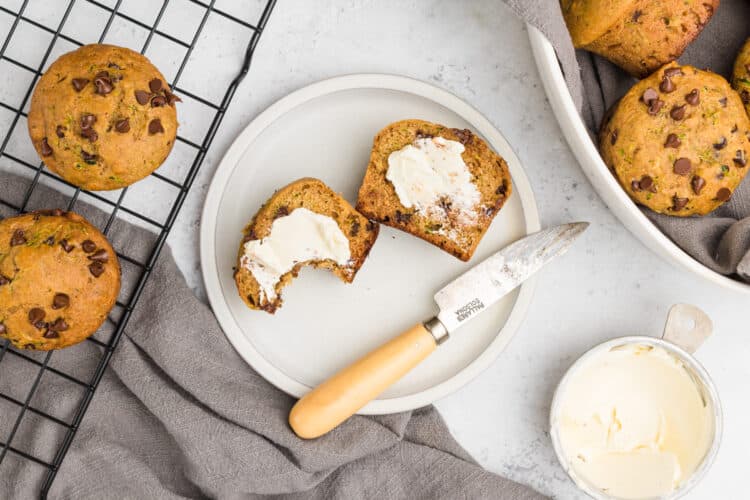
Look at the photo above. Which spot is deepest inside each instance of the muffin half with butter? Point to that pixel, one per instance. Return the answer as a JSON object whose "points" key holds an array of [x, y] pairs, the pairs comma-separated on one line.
{"points": [[303, 224], [441, 184]]}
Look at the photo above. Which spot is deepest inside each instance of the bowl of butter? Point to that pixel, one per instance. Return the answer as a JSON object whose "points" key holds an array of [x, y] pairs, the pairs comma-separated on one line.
{"points": [[638, 417]]}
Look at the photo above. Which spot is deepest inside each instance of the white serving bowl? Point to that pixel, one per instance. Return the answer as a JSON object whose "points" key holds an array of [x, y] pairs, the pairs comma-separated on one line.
{"points": [[604, 183]]}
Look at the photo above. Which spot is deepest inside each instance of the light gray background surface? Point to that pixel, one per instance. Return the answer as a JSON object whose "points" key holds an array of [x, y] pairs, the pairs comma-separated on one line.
{"points": [[608, 285]]}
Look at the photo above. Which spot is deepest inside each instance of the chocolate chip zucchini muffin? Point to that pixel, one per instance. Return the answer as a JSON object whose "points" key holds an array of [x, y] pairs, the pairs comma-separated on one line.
{"points": [[678, 141], [103, 117], [637, 35], [59, 278], [741, 75], [443, 185], [304, 223]]}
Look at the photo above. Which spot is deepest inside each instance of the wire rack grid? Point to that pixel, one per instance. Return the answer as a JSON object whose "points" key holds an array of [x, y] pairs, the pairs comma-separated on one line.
{"points": [[73, 14]]}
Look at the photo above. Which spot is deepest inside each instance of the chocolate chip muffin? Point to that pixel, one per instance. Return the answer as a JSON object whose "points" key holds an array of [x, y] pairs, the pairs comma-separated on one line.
{"points": [[678, 141], [59, 278], [103, 117], [450, 186], [637, 35], [320, 212], [741, 75]]}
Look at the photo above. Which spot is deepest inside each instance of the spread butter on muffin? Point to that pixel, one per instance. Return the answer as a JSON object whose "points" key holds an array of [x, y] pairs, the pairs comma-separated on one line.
{"points": [[59, 278], [103, 117], [305, 223], [678, 141], [443, 185], [741, 75], [638, 35]]}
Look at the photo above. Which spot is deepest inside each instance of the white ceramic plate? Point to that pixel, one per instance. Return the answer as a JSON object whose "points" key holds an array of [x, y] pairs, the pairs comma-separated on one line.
{"points": [[325, 130], [597, 172]]}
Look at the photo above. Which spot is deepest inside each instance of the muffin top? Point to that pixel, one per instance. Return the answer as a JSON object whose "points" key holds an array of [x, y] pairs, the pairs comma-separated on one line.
{"points": [[103, 117], [678, 141], [59, 278], [587, 20]]}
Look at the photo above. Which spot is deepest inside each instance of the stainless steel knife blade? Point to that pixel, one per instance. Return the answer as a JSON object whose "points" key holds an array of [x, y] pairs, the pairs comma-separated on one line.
{"points": [[484, 284]]}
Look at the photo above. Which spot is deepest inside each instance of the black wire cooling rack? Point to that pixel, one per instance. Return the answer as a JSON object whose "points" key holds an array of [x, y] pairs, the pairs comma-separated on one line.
{"points": [[115, 16]]}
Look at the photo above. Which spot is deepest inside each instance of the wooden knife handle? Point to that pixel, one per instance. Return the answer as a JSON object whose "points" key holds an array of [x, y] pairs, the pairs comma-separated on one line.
{"points": [[339, 397]]}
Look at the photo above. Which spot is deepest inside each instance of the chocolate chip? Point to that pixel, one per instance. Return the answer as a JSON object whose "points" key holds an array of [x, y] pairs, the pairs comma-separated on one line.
{"points": [[666, 85], [100, 255], [655, 106], [745, 96], [18, 238], [4, 280], [635, 186], [59, 325], [51, 334], [123, 126], [734, 129], [113, 65], [723, 102], [66, 246], [464, 136], [79, 83], [740, 159], [646, 182], [46, 149], [721, 144], [155, 127], [88, 246], [50, 241], [171, 99], [682, 166], [697, 183], [677, 112], [88, 157], [502, 189], [672, 141], [613, 137], [142, 96], [723, 194], [370, 226], [155, 85], [158, 101], [670, 72], [693, 98], [281, 212], [60, 300], [36, 315], [60, 131], [103, 83], [678, 203], [636, 15], [90, 134], [354, 231], [649, 95], [402, 218], [96, 268], [87, 121]]}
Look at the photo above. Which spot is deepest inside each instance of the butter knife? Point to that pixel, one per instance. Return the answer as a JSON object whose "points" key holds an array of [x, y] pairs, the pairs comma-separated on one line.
{"points": [[460, 301]]}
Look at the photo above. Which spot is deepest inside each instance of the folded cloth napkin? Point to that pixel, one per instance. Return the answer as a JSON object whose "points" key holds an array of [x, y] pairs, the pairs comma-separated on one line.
{"points": [[721, 241], [180, 415]]}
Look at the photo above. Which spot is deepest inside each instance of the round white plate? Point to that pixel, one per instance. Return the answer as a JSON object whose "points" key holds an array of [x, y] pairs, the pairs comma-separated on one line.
{"points": [[599, 175], [326, 130]]}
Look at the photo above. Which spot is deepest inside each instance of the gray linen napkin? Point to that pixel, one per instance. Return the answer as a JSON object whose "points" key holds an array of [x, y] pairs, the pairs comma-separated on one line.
{"points": [[180, 415], [720, 241]]}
